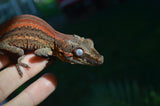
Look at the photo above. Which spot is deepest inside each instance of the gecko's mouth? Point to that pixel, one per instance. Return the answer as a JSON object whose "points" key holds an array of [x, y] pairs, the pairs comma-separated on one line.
{"points": [[98, 61], [86, 61]]}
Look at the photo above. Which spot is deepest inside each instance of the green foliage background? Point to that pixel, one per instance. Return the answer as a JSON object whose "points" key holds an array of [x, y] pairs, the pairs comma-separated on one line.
{"points": [[48, 8], [128, 35]]}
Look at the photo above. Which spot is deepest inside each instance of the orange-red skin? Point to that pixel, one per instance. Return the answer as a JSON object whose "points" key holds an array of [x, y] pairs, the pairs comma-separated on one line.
{"points": [[33, 22]]}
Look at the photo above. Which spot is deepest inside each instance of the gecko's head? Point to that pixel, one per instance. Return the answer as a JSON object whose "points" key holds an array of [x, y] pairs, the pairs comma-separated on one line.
{"points": [[79, 50]]}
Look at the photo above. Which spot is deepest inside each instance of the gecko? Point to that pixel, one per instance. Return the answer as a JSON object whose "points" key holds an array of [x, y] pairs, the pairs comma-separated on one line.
{"points": [[29, 32]]}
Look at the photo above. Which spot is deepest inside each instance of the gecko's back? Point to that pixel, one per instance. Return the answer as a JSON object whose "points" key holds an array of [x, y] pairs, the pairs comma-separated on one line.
{"points": [[27, 31]]}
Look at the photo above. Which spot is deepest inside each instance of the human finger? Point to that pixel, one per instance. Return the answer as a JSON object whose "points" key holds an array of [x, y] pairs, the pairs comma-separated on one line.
{"points": [[36, 92], [11, 80]]}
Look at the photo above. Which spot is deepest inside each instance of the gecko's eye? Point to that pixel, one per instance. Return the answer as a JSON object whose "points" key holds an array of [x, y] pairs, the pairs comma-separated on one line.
{"points": [[79, 51]]}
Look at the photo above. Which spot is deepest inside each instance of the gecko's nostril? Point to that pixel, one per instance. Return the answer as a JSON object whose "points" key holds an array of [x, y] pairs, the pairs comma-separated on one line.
{"points": [[101, 60]]}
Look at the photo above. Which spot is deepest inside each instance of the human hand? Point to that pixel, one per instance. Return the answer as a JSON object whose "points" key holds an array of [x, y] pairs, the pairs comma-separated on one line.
{"points": [[35, 93]]}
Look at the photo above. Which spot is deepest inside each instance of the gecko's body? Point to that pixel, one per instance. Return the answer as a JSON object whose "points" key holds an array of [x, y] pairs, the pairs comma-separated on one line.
{"points": [[28, 32]]}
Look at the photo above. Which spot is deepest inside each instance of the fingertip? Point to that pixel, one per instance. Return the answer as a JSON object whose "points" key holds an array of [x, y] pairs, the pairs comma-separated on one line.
{"points": [[51, 78]]}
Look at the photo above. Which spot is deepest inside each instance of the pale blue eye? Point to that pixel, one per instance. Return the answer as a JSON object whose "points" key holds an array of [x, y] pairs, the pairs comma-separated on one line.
{"points": [[79, 52]]}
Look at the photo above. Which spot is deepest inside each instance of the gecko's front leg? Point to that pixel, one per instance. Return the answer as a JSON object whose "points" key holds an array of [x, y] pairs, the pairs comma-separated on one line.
{"points": [[44, 52], [15, 50]]}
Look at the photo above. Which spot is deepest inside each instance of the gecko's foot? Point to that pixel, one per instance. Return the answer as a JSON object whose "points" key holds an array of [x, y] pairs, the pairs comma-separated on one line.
{"points": [[21, 64], [18, 68]]}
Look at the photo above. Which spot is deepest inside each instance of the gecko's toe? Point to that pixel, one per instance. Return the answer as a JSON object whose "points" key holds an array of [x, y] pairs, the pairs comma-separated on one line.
{"points": [[24, 65], [18, 68]]}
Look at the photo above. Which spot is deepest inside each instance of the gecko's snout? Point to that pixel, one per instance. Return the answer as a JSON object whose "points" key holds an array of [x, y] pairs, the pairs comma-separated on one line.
{"points": [[101, 60]]}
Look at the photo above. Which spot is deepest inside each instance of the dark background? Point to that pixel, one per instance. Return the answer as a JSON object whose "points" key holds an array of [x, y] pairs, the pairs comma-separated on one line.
{"points": [[127, 33]]}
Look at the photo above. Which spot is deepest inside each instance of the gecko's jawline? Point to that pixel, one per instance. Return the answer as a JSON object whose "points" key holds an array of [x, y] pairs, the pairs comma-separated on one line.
{"points": [[87, 61], [97, 62]]}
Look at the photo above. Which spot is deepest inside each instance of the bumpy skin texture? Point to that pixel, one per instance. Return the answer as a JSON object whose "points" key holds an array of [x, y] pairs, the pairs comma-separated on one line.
{"points": [[28, 32]]}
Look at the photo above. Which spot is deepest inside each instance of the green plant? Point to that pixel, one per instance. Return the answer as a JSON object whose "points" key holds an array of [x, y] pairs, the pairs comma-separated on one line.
{"points": [[120, 94]]}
